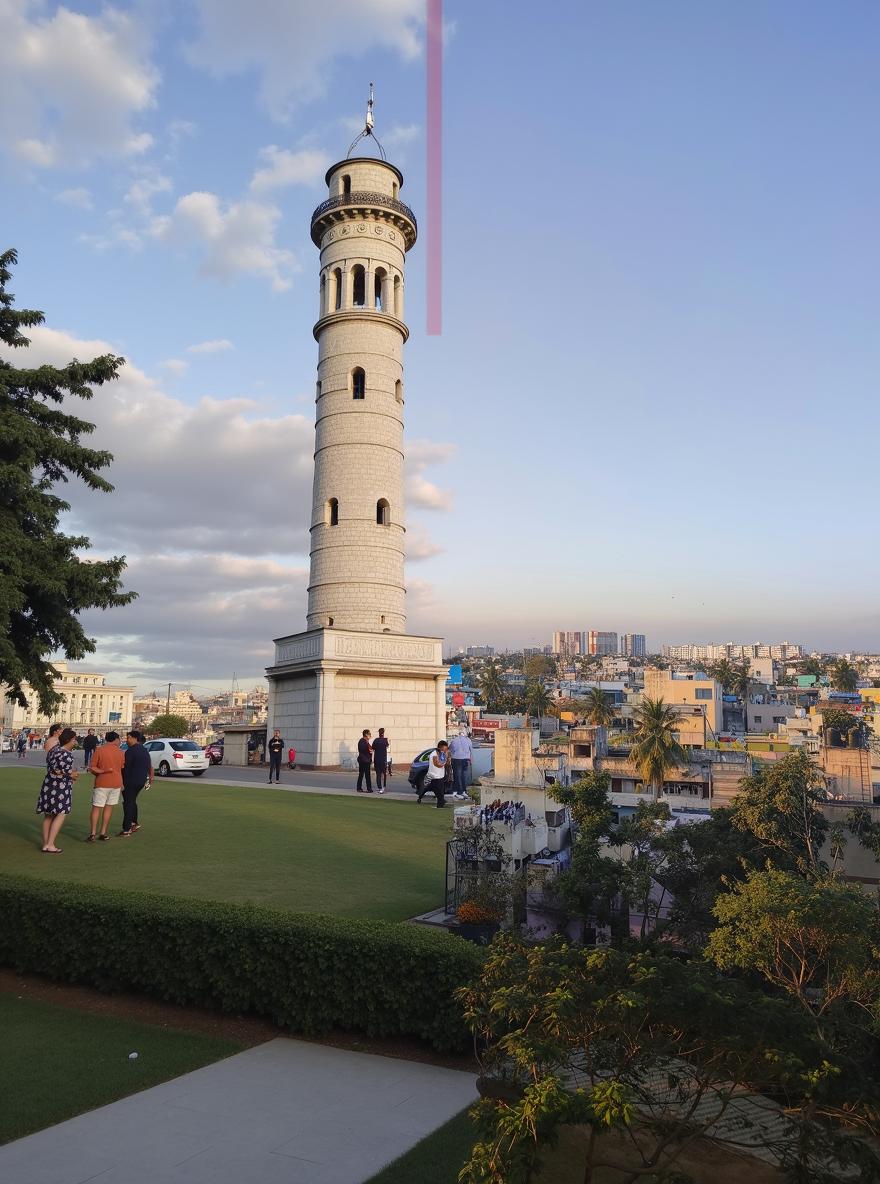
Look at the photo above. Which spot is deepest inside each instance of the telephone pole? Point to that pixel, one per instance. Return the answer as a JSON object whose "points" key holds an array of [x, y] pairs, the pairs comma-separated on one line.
{"points": [[168, 700]]}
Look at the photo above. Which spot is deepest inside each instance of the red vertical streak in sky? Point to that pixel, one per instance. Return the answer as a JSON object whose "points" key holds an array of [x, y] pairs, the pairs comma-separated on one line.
{"points": [[434, 269]]}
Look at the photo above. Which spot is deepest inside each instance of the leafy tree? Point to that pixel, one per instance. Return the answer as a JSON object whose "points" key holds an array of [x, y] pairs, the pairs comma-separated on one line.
{"points": [[817, 940], [656, 750], [642, 857], [701, 861], [44, 580], [724, 672], [780, 805], [656, 1049], [538, 666], [840, 720], [812, 666], [844, 676], [589, 803], [169, 725], [490, 686], [599, 709], [538, 699]]}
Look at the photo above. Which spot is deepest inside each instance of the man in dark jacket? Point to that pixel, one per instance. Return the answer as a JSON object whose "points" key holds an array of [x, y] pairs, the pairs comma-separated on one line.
{"points": [[365, 757], [276, 748], [90, 743], [137, 774]]}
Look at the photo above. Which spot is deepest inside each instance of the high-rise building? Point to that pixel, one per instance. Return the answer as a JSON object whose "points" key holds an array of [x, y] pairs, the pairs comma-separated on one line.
{"points": [[633, 645], [480, 651], [602, 644], [354, 666], [568, 643]]}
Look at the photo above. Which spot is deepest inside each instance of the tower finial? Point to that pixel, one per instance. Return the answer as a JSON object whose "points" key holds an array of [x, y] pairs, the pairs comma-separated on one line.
{"points": [[367, 129]]}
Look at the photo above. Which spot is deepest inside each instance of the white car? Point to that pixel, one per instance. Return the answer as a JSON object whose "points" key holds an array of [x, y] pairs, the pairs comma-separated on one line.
{"points": [[176, 756]]}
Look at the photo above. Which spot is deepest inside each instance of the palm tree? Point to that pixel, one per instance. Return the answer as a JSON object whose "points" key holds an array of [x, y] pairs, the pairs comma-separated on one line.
{"points": [[538, 699], [490, 684], [844, 676], [656, 750], [599, 710]]}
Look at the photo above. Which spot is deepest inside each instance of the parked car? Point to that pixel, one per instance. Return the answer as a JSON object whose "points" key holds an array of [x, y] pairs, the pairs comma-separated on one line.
{"points": [[6, 744], [214, 752], [176, 756]]}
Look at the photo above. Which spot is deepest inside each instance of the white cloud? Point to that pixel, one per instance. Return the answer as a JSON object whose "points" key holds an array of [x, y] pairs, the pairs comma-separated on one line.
{"points": [[210, 347], [208, 499], [291, 46], [73, 84], [148, 182], [282, 168], [175, 365], [419, 545], [232, 240], [420, 454], [80, 198]]}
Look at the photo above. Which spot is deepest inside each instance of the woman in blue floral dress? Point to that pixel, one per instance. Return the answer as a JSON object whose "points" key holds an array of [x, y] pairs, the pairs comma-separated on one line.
{"points": [[56, 793]]}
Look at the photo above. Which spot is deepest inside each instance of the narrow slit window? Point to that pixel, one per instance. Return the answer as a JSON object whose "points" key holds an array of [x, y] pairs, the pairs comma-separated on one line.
{"points": [[333, 512], [398, 391], [358, 383], [337, 278], [383, 512], [379, 287], [346, 184], [358, 286]]}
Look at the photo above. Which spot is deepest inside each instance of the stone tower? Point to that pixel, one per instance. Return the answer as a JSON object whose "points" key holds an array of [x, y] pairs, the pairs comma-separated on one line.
{"points": [[354, 667], [363, 231]]}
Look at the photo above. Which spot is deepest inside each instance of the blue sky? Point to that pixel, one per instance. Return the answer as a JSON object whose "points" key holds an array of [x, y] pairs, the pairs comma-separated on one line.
{"points": [[653, 404]]}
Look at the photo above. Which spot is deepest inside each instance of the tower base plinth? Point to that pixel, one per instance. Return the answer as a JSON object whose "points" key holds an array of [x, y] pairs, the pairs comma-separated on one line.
{"points": [[327, 685]]}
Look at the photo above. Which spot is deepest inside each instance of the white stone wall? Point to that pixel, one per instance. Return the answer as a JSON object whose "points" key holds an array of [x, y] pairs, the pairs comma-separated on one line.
{"points": [[404, 707], [294, 710]]}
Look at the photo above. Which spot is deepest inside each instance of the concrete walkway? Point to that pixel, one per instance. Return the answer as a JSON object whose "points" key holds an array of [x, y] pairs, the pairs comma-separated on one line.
{"points": [[286, 1112]]}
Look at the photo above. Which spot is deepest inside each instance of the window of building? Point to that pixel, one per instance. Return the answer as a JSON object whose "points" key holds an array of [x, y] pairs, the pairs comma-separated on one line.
{"points": [[394, 189], [396, 310], [398, 391], [379, 288], [358, 286], [330, 622], [346, 184], [317, 390], [383, 512], [333, 512], [758, 719], [358, 383], [703, 692], [337, 284]]}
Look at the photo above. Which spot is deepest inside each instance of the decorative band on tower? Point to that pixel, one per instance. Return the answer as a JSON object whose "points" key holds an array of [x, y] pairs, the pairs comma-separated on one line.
{"points": [[357, 528]]}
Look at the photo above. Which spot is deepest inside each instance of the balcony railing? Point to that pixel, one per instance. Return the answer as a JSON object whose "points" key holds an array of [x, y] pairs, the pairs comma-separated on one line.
{"points": [[364, 199]]}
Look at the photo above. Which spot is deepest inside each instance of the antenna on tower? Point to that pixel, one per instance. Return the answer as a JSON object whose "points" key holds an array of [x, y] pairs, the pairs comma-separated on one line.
{"points": [[367, 130]]}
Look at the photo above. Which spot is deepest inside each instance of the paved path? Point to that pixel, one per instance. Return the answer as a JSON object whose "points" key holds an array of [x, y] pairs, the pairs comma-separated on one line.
{"points": [[286, 1112]]}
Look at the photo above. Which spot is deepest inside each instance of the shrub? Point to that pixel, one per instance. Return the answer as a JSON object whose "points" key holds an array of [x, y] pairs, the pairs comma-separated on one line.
{"points": [[308, 973]]}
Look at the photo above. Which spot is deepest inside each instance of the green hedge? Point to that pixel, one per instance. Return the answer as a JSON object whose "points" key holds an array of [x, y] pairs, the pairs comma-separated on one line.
{"points": [[307, 973]]}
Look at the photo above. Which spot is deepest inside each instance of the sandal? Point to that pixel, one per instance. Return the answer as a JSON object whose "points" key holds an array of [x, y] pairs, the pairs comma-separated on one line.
{"points": [[103, 838], [52, 850], [92, 839]]}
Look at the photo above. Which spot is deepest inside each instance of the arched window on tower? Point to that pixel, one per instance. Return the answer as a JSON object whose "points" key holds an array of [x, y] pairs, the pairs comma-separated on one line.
{"points": [[394, 189], [358, 383], [332, 512], [323, 294], [358, 286], [346, 184], [383, 512], [337, 286], [398, 391], [380, 289], [396, 310]]}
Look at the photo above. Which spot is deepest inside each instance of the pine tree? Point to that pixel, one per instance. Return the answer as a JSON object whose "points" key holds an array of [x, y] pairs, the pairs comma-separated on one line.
{"points": [[45, 582]]}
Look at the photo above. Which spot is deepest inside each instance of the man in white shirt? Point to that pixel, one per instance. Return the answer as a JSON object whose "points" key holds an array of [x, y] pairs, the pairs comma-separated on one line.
{"points": [[435, 778], [462, 753]]}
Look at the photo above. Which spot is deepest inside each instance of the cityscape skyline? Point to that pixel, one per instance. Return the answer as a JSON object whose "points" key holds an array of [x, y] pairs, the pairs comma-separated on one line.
{"points": [[717, 299]]}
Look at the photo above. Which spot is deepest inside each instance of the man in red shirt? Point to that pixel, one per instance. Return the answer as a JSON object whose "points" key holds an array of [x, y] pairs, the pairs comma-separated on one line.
{"points": [[106, 765]]}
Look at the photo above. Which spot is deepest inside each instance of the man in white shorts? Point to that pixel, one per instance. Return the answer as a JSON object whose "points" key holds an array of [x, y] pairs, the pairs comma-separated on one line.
{"points": [[106, 765]]}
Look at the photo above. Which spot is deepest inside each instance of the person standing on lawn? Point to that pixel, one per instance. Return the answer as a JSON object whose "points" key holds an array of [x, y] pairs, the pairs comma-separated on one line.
{"points": [[137, 774], [106, 766], [52, 738], [56, 792], [380, 760], [462, 754], [90, 743], [365, 756], [276, 748], [22, 744], [435, 778]]}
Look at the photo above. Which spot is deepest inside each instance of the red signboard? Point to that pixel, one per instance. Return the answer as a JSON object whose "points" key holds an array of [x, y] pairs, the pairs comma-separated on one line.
{"points": [[488, 725], [457, 699]]}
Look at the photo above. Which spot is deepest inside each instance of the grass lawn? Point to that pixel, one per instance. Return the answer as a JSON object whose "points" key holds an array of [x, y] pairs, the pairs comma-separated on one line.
{"points": [[436, 1160], [355, 857], [57, 1063]]}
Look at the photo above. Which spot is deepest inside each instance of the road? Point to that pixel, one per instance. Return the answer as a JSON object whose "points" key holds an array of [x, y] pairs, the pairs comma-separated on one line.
{"points": [[331, 782]]}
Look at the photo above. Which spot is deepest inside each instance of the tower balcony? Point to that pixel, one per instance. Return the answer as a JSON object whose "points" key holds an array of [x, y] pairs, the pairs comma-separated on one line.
{"points": [[347, 207]]}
